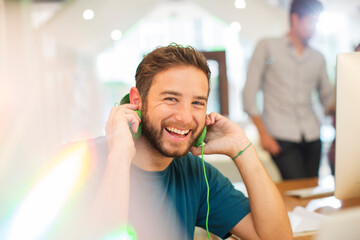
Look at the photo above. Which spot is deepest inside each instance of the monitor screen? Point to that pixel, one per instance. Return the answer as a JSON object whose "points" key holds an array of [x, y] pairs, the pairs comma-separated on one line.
{"points": [[347, 146]]}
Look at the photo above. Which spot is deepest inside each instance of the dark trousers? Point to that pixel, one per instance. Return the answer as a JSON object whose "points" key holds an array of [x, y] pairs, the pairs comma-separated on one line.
{"points": [[298, 160]]}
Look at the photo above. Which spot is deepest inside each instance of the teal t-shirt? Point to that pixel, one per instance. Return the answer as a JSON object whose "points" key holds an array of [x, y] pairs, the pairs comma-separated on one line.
{"points": [[163, 205], [170, 203]]}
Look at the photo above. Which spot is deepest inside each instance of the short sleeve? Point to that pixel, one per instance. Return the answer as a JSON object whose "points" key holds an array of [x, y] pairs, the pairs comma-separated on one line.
{"points": [[228, 206]]}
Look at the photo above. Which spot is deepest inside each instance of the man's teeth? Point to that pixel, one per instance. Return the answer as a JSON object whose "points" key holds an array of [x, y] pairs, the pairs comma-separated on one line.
{"points": [[178, 131]]}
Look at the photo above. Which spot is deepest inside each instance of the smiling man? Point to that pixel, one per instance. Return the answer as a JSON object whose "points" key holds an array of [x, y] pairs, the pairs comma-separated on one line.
{"points": [[170, 88], [156, 183]]}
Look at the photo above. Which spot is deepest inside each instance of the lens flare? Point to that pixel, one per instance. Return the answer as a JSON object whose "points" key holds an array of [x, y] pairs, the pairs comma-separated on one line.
{"points": [[45, 201], [125, 233]]}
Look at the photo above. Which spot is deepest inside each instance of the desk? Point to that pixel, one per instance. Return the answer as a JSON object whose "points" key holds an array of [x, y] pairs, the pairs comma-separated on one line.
{"points": [[323, 204]]}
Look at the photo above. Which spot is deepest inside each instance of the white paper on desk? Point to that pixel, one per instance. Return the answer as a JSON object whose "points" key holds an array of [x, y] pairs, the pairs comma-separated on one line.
{"points": [[302, 220]]}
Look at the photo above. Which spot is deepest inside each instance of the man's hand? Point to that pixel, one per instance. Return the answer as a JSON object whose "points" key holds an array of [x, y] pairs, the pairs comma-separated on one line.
{"points": [[270, 144], [118, 134], [267, 141], [223, 137], [268, 218], [110, 207]]}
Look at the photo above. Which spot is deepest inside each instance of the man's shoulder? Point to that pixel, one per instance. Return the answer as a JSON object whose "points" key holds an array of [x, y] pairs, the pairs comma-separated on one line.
{"points": [[271, 44], [271, 40], [316, 53], [95, 148], [100, 143]]}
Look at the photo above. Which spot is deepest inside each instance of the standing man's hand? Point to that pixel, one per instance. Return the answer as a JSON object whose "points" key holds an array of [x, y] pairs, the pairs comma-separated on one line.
{"points": [[270, 144], [267, 141]]}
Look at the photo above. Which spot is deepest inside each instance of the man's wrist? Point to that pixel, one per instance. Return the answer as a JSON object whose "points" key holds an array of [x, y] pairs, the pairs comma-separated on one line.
{"points": [[117, 159], [264, 133], [241, 151], [239, 146]]}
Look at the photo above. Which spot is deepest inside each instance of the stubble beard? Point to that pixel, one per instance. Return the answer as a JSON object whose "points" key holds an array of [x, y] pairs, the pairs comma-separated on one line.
{"points": [[154, 137]]}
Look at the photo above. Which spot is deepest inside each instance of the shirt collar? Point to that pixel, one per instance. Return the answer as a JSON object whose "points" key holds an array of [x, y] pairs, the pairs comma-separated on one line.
{"points": [[287, 42]]}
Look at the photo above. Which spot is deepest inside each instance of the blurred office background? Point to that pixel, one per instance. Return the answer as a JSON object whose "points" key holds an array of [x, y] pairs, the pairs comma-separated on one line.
{"points": [[64, 63]]}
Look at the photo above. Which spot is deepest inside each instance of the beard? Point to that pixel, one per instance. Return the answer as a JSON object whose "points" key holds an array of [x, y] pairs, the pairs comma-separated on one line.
{"points": [[155, 136]]}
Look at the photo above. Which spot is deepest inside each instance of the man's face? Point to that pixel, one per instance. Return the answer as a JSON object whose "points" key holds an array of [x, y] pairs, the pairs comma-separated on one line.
{"points": [[305, 26], [173, 114]]}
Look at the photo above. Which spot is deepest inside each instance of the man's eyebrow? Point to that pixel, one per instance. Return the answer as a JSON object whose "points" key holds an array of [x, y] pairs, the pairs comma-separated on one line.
{"points": [[201, 98], [205, 98], [170, 93]]}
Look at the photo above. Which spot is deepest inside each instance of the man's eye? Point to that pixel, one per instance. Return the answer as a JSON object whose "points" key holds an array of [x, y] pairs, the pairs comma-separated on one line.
{"points": [[170, 99], [199, 103]]}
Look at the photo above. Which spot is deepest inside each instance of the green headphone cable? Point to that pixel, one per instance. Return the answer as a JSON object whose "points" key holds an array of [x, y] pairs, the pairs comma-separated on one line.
{"points": [[207, 194]]}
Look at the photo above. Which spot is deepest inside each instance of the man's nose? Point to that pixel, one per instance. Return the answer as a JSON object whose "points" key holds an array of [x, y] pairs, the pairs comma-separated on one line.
{"points": [[184, 114]]}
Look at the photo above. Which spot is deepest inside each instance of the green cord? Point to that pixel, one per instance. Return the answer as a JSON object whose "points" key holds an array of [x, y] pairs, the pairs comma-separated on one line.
{"points": [[208, 191], [241, 151]]}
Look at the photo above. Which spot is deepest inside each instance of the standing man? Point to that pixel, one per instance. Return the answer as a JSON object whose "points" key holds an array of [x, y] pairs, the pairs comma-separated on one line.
{"points": [[157, 184], [288, 70]]}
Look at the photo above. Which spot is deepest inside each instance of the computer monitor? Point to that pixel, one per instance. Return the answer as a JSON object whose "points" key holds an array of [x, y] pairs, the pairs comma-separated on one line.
{"points": [[341, 225], [347, 146]]}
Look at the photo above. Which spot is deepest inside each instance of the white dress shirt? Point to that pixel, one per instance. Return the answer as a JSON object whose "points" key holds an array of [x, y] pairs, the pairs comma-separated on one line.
{"points": [[288, 81]]}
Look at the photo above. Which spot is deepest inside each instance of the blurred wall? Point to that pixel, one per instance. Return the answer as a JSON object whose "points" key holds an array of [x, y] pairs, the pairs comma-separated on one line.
{"points": [[48, 96]]}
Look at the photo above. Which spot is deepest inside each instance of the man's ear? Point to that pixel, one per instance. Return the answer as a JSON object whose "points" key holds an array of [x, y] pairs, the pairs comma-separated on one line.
{"points": [[135, 97]]}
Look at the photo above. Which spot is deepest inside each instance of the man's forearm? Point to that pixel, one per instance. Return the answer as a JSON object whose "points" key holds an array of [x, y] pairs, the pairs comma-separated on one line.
{"points": [[267, 207], [259, 125], [110, 207]]}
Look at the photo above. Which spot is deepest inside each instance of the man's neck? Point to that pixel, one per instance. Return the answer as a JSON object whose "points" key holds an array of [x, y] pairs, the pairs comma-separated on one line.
{"points": [[148, 158], [298, 44]]}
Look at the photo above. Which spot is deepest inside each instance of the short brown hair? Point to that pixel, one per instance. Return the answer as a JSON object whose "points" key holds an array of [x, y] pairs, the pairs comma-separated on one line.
{"points": [[164, 58]]}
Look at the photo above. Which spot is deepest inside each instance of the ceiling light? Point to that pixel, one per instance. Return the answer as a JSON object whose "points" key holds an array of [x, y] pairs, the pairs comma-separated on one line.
{"points": [[241, 4], [88, 14], [235, 26], [116, 34]]}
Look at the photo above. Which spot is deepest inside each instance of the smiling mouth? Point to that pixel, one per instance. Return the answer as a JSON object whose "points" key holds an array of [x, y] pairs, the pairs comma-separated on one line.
{"points": [[177, 132]]}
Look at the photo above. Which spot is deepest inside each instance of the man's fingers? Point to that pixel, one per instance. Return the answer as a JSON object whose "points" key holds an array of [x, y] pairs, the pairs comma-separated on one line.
{"points": [[275, 149], [211, 118], [195, 150], [120, 115], [135, 125]]}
